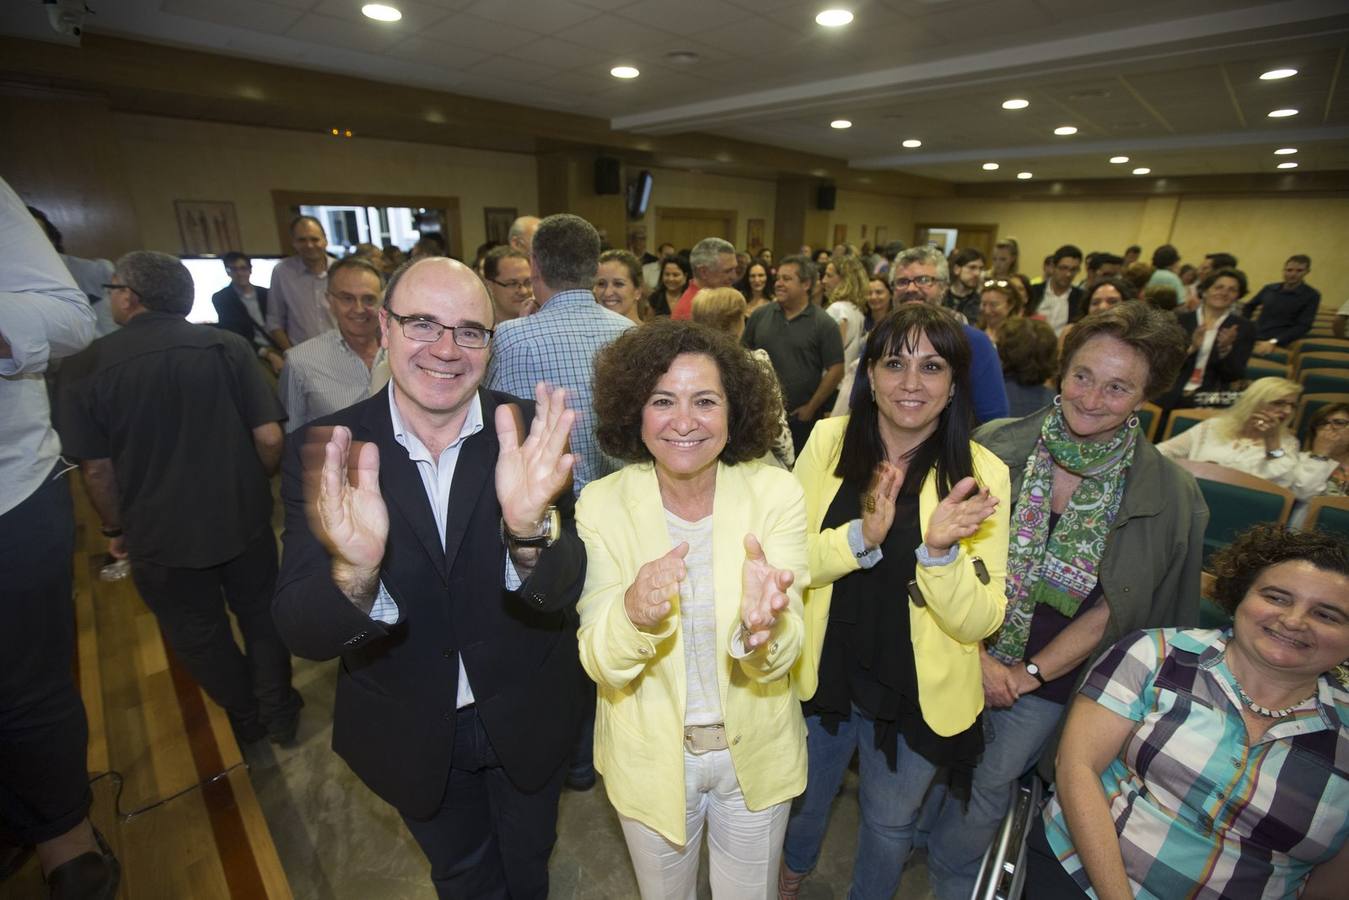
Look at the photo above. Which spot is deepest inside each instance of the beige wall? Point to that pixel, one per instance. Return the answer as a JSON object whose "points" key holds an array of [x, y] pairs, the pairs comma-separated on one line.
{"points": [[855, 209], [749, 197], [175, 159], [1261, 231]]}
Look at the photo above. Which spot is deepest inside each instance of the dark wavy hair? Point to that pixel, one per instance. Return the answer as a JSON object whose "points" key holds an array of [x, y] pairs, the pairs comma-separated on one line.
{"points": [[948, 447], [1029, 350], [1236, 275], [626, 372], [1257, 548]]}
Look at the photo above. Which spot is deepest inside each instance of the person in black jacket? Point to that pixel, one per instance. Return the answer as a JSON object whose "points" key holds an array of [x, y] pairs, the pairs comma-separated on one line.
{"points": [[430, 545], [1220, 340], [1056, 299], [241, 307]]}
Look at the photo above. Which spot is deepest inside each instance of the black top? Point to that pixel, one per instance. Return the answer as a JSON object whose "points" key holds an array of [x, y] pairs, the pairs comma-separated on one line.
{"points": [[1221, 371], [1285, 315], [867, 659], [174, 405]]}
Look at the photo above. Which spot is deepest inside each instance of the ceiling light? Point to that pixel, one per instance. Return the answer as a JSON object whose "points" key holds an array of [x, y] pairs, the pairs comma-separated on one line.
{"points": [[381, 12], [840, 124], [1119, 159], [1142, 170], [1065, 130], [1285, 151], [990, 167], [911, 143], [1276, 74], [1286, 165], [1015, 103], [1282, 113], [1025, 176], [624, 72], [833, 18]]}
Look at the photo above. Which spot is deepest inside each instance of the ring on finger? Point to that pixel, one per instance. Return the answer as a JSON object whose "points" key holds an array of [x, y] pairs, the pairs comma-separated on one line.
{"points": [[869, 502]]}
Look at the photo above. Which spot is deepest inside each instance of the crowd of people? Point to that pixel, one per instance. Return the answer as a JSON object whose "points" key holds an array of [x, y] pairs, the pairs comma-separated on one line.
{"points": [[710, 525]]}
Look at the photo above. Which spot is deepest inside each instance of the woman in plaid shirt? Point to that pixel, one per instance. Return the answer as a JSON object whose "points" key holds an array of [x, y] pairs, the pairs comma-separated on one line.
{"points": [[1214, 763]]}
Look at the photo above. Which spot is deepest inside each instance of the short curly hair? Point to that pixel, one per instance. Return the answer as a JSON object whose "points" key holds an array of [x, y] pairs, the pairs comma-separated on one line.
{"points": [[1151, 332], [626, 372], [1257, 548], [1029, 350]]}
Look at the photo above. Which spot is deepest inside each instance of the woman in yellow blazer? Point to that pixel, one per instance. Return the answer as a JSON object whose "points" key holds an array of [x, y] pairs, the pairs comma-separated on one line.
{"points": [[908, 550], [691, 613]]}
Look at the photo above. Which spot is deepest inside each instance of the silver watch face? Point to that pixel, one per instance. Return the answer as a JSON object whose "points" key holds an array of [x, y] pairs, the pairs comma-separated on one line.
{"points": [[1032, 668]]}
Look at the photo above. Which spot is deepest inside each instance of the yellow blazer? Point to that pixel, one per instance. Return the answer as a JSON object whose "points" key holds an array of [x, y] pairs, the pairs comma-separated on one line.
{"points": [[639, 717], [960, 610]]}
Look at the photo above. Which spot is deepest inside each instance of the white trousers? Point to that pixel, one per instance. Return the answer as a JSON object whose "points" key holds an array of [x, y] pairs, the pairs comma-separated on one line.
{"points": [[743, 847]]}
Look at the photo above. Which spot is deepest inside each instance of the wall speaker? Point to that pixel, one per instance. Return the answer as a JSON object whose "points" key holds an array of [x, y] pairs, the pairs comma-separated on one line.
{"points": [[608, 175], [826, 196]]}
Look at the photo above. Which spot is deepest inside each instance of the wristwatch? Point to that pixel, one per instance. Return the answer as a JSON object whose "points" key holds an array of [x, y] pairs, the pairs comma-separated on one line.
{"points": [[1034, 671], [546, 535], [1275, 454]]}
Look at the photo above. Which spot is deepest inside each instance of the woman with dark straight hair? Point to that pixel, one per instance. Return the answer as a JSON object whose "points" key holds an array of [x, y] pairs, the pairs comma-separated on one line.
{"points": [[907, 521]]}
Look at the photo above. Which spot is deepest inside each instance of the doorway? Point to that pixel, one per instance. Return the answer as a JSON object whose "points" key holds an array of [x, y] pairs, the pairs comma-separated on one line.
{"points": [[949, 238], [684, 227], [381, 219]]}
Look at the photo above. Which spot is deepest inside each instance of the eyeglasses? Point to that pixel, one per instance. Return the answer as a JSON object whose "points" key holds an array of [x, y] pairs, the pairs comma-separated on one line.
{"points": [[1335, 423], [417, 328], [521, 285], [238, 268], [369, 301], [921, 281], [108, 288]]}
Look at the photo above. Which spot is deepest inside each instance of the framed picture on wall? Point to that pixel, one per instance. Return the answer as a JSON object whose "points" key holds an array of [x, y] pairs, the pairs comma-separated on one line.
{"points": [[840, 234], [497, 222], [207, 226], [754, 235], [880, 236]]}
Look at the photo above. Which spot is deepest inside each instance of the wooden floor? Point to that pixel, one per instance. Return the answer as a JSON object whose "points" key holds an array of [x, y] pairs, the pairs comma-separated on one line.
{"points": [[151, 724]]}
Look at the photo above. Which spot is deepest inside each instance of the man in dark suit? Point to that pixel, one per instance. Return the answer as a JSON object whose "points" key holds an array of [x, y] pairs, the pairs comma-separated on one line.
{"points": [[241, 307], [1056, 299], [422, 547]]}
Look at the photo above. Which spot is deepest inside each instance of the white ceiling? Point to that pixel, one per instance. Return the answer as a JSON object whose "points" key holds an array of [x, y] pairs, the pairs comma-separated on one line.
{"points": [[1171, 83]]}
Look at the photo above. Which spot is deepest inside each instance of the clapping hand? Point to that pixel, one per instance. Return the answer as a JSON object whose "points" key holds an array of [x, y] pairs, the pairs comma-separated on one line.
{"points": [[650, 597], [764, 595], [1227, 336], [531, 474], [878, 504], [347, 511], [958, 516]]}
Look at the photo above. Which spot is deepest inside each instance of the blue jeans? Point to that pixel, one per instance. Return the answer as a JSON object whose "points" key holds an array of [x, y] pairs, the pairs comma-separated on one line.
{"points": [[889, 802], [1014, 738]]}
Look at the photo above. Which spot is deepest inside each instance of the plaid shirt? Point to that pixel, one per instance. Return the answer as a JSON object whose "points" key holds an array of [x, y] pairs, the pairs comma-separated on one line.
{"points": [[1199, 812], [557, 345]]}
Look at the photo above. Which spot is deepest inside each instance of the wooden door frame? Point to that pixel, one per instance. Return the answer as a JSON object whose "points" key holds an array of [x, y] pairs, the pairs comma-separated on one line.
{"points": [[283, 201], [958, 226], [692, 212]]}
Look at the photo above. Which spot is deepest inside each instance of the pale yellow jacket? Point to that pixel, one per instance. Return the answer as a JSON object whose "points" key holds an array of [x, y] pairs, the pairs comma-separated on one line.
{"points": [[960, 610], [639, 717]]}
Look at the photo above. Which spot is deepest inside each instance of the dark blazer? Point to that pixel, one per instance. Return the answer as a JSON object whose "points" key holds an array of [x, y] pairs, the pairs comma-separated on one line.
{"points": [[393, 721], [232, 315], [1077, 306], [1220, 371]]}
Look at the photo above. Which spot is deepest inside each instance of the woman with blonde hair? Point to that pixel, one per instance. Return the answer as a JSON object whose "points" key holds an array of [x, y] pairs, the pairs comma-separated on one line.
{"points": [[725, 310], [1253, 436], [845, 285]]}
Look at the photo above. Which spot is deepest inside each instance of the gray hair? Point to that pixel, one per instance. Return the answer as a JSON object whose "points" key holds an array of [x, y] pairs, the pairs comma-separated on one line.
{"points": [[567, 251], [926, 255], [705, 252], [161, 281], [806, 269], [520, 227]]}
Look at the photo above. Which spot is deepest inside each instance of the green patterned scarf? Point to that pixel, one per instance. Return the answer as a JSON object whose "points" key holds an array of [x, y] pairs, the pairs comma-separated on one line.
{"points": [[1062, 568]]}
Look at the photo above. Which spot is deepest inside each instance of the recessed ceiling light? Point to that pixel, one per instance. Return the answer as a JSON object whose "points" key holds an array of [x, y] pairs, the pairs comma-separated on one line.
{"points": [[1119, 159], [1276, 74], [381, 12], [840, 124], [624, 72], [911, 143], [833, 18], [1282, 113], [1025, 176], [1286, 165], [1015, 103], [990, 167], [1065, 130], [1142, 170], [1285, 151]]}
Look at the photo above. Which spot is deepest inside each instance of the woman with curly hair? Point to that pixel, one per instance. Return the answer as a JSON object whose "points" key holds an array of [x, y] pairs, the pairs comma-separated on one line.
{"points": [[691, 612], [845, 285], [908, 543], [1210, 763]]}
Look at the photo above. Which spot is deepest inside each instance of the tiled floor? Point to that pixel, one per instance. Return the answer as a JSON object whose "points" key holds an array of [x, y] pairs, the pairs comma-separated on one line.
{"points": [[337, 841]]}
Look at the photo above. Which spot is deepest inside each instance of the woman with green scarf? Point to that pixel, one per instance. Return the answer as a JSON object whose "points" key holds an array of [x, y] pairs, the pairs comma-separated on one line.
{"points": [[1106, 537]]}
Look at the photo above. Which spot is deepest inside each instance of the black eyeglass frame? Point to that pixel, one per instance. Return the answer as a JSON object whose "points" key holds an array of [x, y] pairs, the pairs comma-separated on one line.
{"points": [[441, 329]]}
